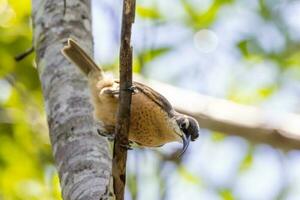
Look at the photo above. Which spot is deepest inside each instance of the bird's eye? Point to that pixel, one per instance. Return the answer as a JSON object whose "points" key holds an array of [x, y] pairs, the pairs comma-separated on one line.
{"points": [[184, 124], [181, 125]]}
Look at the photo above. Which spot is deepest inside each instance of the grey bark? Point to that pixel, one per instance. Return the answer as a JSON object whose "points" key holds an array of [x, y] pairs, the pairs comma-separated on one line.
{"points": [[81, 156]]}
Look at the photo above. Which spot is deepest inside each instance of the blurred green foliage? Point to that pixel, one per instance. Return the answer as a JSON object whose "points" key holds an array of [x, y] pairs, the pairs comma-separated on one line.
{"points": [[198, 20], [148, 13], [26, 163], [147, 56], [284, 60]]}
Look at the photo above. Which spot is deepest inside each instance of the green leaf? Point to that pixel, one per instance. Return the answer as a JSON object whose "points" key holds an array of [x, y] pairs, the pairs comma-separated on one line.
{"points": [[188, 176], [266, 92], [242, 45], [264, 10], [217, 136], [247, 161], [226, 194], [198, 19], [151, 54], [148, 55], [148, 13], [132, 184]]}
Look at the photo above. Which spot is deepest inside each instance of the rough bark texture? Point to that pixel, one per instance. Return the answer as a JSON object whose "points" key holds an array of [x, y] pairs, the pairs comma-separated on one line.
{"points": [[81, 155], [123, 117], [280, 130]]}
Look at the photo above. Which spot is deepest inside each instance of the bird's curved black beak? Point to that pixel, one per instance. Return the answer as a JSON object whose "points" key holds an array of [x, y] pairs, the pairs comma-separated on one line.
{"points": [[186, 141]]}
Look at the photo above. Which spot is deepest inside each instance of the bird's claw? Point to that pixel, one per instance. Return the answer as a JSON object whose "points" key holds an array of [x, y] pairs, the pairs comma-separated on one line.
{"points": [[109, 136], [126, 146], [111, 92], [132, 89]]}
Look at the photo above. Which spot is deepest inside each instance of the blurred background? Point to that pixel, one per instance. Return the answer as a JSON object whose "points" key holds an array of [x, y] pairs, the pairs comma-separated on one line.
{"points": [[246, 51]]}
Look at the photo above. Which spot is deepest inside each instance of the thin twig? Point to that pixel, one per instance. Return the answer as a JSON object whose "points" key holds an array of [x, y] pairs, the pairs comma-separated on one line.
{"points": [[65, 7], [24, 54], [123, 117]]}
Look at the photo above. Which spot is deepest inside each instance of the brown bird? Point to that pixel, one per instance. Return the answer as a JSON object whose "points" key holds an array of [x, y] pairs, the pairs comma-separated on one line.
{"points": [[153, 121]]}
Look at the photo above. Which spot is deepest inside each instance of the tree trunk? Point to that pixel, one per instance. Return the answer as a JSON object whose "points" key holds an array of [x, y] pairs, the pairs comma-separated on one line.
{"points": [[82, 156]]}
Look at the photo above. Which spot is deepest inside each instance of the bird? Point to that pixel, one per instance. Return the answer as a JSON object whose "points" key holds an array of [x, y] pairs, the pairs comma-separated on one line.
{"points": [[153, 120]]}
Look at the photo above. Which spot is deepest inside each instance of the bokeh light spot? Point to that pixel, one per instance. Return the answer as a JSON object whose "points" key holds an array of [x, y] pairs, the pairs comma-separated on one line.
{"points": [[206, 41], [7, 14]]}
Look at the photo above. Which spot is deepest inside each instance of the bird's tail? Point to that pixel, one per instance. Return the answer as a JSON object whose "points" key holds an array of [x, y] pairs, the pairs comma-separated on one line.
{"points": [[73, 52]]}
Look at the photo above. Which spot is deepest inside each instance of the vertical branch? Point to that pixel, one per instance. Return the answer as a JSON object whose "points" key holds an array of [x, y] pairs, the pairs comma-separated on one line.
{"points": [[123, 117]]}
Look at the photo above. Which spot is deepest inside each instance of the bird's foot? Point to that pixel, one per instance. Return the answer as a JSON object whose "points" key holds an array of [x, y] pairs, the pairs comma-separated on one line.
{"points": [[126, 146], [132, 89], [109, 136], [116, 92], [111, 92]]}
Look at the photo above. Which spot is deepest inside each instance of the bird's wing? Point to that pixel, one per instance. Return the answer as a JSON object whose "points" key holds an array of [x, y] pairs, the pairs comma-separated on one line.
{"points": [[154, 96], [160, 100]]}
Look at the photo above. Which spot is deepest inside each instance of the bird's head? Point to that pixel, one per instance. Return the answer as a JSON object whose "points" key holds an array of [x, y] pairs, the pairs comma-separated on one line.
{"points": [[189, 128]]}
